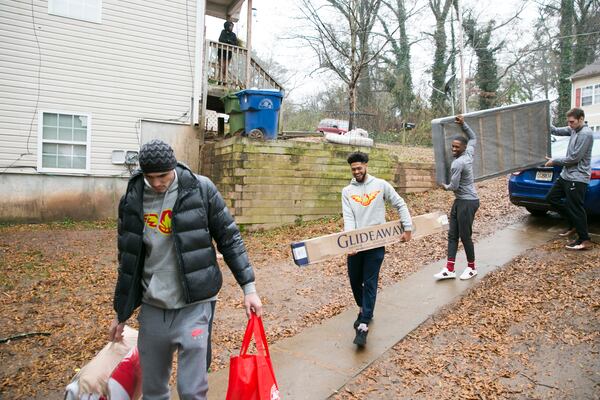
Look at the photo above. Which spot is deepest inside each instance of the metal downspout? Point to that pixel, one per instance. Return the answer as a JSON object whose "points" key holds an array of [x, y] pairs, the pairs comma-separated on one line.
{"points": [[198, 61]]}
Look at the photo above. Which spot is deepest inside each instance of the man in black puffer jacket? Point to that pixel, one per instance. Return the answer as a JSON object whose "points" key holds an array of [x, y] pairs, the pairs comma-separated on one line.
{"points": [[168, 219]]}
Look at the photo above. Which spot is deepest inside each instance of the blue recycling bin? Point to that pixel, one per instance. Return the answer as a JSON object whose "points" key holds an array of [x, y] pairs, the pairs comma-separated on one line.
{"points": [[261, 112]]}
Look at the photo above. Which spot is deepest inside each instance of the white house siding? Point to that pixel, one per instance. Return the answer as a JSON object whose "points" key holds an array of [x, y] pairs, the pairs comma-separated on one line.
{"points": [[592, 111], [137, 63]]}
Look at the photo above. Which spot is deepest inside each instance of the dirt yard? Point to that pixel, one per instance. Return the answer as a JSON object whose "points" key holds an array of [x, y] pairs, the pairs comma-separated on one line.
{"points": [[58, 279]]}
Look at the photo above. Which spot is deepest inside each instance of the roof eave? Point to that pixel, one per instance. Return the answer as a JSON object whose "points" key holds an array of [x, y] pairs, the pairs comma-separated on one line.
{"points": [[225, 10]]}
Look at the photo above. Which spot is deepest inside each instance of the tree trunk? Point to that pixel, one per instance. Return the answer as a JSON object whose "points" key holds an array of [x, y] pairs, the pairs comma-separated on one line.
{"points": [[439, 71], [397, 77], [487, 78], [566, 59], [405, 76], [440, 64], [351, 105]]}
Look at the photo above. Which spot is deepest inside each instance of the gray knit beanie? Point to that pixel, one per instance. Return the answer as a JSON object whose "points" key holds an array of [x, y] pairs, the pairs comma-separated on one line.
{"points": [[156, 156]]}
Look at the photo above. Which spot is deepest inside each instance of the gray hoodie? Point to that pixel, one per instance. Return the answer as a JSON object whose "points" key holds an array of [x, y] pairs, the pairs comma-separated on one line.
{"points": [[577, 162], [161, 278], [363, 204]]}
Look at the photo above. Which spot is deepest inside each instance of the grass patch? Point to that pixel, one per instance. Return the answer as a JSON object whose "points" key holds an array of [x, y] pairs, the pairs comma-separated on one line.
{"points": [[65, 224]]}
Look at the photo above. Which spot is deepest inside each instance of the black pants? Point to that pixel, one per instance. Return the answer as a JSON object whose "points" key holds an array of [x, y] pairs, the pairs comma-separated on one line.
{"points": [[363, 271], [572, 208], [461, 226]]}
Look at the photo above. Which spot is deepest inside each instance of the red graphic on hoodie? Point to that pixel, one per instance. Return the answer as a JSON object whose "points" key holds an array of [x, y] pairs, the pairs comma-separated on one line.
{"points": [[365, 199], [151, 220], [163, 224]]}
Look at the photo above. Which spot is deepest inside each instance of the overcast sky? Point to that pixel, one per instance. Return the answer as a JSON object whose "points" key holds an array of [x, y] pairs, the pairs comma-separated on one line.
{"points": [[274, 20]]}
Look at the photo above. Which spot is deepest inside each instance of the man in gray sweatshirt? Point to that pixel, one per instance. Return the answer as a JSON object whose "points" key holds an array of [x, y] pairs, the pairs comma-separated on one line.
{"points": [[574, 178], [466, 203], [168, 220], [363, 205]]}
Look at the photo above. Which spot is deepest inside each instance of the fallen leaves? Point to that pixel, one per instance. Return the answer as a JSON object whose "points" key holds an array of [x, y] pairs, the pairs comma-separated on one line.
{"points": [[514, 334], [59, 278]]}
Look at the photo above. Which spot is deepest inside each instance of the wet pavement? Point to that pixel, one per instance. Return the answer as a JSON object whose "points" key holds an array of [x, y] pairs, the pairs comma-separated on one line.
{"points": [[318, 361]]}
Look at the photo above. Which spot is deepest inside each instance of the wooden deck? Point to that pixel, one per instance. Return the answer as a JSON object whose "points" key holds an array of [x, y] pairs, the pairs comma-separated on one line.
{"points": [[226, 71]]}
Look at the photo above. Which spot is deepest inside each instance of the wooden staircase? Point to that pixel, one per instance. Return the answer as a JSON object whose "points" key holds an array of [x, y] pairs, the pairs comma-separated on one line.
{"points": [[225, 71]]}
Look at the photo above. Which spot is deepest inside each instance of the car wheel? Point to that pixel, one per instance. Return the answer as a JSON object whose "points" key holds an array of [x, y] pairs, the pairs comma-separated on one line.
{"points": [[536, 212]]}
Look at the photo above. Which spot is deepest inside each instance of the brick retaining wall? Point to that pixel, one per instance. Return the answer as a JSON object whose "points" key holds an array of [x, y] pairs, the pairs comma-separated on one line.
{"points": [[272, 183]]}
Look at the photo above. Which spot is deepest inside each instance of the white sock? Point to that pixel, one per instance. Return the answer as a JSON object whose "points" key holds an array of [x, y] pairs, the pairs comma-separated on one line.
{"points": [[363, 327]]}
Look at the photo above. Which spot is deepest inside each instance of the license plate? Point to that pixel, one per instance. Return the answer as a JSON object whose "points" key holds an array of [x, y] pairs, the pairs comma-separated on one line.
{"points": [[545, 176]]}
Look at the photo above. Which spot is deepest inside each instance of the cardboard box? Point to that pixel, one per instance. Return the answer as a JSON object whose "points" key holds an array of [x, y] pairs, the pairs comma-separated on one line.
{"points": [[325, 247]]}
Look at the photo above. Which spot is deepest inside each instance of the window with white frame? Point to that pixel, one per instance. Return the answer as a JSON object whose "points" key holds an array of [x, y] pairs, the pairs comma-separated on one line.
{"points": [[64, 142], [86, 10], [587, 95]]}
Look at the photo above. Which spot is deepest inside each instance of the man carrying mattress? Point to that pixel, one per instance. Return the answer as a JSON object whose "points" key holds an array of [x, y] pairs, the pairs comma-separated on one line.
{"points": [[466, 203]]}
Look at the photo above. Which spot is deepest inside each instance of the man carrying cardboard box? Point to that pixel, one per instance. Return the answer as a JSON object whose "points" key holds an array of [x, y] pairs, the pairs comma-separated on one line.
{"points": [[363, 205]]}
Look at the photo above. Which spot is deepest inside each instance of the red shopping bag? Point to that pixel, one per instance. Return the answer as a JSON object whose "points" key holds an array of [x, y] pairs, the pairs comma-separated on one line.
{"points": [[125, 382], [251, 376]]}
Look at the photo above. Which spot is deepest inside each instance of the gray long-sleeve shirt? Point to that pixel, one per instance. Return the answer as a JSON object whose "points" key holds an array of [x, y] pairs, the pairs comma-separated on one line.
{"points": [[363, 204], [461, 170], [577, 162]]}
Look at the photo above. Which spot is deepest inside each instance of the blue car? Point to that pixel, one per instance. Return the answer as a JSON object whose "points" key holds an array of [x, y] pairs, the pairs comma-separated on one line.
{"points": [[529, 188]]}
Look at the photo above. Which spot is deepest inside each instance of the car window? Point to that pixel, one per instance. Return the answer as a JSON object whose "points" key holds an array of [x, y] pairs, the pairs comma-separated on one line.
{"points": [[559, 148]]}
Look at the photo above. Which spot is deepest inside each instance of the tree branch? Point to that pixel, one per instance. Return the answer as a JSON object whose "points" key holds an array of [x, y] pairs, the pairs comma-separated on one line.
{"points": [[23, 336]]}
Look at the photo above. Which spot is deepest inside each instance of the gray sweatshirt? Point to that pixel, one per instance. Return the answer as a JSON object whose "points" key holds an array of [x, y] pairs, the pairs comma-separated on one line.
{"points": [[363, 204], [577, 162], [461, 170], [161, 278]]}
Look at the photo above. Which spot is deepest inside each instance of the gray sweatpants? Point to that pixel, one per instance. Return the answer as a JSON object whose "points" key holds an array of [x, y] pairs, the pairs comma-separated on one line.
{"points": [[186, 330]]}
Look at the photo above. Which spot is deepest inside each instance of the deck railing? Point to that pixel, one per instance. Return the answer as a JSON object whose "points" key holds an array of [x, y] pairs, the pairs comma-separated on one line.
{"points": [[226, 66]]}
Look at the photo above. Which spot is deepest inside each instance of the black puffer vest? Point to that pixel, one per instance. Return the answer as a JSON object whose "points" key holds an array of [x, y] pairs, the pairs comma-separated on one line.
{"points": [[199, 216]]}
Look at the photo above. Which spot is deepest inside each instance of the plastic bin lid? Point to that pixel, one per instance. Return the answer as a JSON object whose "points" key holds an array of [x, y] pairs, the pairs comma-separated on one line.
{"points": [[261, 92], [231, 96]]}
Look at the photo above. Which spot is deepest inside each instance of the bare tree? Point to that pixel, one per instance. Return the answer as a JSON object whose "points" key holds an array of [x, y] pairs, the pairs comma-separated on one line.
{"points": [[397, 76], [536, 71], [343, 39], [486, 78], [587, 38], [440, 10], [578, 42]]}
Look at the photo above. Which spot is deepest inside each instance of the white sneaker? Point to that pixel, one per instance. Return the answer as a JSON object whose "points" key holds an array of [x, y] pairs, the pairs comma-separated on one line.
{"points": [[468, 273], [445, 274]]}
